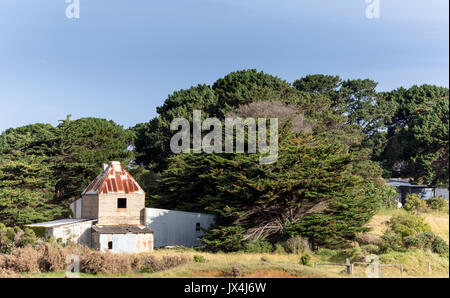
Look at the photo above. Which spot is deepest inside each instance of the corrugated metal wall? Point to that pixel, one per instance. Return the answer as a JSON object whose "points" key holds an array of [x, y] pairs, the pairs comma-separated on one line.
{"points": [[173, 228], [441, 192]]}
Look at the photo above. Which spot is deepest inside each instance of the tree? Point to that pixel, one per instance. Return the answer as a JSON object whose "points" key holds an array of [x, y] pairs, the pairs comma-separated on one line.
{"points": [[152, 139], [318, 83], [26, 177], [44, 168], [427, 138], [82, 147], [312, 181], [415, 143], [316, 176]]}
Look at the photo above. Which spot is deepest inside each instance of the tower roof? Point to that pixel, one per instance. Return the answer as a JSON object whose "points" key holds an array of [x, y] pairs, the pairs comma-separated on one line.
{"points": [[114, 179]]}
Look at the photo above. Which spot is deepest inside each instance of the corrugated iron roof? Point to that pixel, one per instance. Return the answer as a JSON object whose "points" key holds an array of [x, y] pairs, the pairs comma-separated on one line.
{"points": [[114, 179], [60, 222], [122, 229]]}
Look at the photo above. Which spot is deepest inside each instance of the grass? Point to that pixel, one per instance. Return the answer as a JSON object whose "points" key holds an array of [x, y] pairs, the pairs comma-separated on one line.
{"points": [[438, 221], [415, 262]]}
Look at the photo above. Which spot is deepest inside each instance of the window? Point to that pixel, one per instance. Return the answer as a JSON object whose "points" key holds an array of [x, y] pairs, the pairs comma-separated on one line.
{"points": [[121, 203], [110, 245], [197, 227]]}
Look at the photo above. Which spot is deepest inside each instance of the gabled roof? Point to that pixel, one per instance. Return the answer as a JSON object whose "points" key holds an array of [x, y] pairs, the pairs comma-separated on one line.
{"points": [[114, 179]]}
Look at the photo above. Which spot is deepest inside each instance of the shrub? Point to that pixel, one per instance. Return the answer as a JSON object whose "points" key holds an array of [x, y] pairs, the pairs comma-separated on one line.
{"points": [[428, 240], [340, 255], [408, 224], [297, 245], [436, 203], [392, 241], [199, 259], [414, 203], [96, 262], [52, 258], [15, 237], [147, 264], [279, 249], [237, 271], [24, 260], [370, 249], [305, 259], [258, 246], [439, 246], [368, 239]]}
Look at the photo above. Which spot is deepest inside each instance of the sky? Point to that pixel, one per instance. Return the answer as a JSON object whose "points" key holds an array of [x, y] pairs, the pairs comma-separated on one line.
{"points": [[121, 59]]}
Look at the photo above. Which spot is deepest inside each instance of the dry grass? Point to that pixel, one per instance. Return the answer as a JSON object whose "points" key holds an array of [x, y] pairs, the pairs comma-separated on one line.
{"points": [[438, 221], [180, 262]]}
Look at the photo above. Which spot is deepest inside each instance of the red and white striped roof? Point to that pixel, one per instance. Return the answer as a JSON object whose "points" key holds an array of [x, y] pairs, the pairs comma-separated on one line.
{"points": [[114, 179]]}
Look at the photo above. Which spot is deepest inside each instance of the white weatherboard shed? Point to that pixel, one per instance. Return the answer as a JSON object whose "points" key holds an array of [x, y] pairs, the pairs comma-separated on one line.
{"points": [[78, 230], [177, 228]]}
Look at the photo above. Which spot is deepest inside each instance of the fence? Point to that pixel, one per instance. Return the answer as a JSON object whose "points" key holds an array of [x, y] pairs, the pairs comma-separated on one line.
{"points": [[349, 267]]}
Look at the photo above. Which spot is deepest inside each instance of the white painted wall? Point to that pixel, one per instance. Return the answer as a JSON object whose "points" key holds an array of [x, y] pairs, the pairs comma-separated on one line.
{"points": [[126, 243], [77, 232], [173, 228]]}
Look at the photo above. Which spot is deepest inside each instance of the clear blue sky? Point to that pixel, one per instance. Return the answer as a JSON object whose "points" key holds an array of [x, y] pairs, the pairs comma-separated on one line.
{"points": [[121, 59]]}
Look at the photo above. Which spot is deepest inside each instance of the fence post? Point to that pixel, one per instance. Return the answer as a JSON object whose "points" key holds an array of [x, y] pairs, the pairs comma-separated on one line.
{"points": [[349, 266], [315, 265], [401, 270], [429, 268]]}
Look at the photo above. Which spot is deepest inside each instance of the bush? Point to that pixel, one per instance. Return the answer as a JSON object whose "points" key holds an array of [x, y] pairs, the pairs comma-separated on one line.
{"points": [[370, 249], [439, 246], [258, 246], [305, 259], [414, 203], [279, 249], [15, 237], [199, 259], [297, 245], [436, 203], [392, 241], [428, 241], [408, 224], [368, 239], [49, 258]]}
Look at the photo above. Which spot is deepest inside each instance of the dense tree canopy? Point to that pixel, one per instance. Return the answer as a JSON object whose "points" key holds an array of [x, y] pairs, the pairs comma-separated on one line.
{"points": [[338, 139], [44, 168]]}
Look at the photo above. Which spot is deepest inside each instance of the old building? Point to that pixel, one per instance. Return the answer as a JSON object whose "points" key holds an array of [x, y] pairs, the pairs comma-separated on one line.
{"points": [[111, 216]]}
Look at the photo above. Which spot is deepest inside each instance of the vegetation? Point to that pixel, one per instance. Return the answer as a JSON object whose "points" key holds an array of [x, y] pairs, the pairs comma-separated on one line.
{"points": [[44, 168], [338, 139]]}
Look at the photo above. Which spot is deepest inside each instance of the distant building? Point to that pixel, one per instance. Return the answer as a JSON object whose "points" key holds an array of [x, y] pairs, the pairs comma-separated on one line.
{"points": [[404, 187], [111, 216]]}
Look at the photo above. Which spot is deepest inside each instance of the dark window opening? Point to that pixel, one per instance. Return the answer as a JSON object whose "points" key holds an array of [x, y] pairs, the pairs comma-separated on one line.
{"points": [[197, 226], [110, 245], [121, 203]]}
